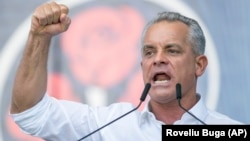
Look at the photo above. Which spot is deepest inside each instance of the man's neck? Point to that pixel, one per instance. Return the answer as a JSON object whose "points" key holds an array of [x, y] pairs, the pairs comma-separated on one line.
{"points": [[171, 112]]}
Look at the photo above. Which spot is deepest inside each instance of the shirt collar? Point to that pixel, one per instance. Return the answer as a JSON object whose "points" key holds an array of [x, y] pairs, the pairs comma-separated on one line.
{"points": [[199, 110], [146, 113]]}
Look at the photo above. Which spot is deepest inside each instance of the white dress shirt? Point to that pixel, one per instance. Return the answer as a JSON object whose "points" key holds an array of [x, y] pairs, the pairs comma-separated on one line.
{"points": [[61, 120]]}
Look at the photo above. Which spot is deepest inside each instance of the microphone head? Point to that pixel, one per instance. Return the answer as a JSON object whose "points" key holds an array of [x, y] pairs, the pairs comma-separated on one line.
{"points": [[178, 91], [145, 91]]}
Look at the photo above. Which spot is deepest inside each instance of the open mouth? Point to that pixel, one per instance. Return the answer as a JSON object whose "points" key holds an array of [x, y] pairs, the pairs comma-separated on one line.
{"points": [[161, 78]]}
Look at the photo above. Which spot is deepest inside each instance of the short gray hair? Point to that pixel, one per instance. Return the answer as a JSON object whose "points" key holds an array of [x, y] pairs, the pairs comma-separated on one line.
{"points": [[196, 35]]}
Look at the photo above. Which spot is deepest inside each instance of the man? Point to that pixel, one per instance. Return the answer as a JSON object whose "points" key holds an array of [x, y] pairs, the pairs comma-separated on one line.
{"points": [[173, 49]]}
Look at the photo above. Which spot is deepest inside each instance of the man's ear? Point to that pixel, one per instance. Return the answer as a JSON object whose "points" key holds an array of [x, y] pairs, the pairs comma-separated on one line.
{"points": [[201, 65]]}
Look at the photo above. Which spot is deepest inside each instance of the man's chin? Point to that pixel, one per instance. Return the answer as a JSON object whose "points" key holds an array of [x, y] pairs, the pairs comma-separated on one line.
{"points": [[161, 94]]}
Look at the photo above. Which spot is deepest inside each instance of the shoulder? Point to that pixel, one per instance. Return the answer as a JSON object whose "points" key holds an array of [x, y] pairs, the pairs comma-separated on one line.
{"points": [[215, 117]]}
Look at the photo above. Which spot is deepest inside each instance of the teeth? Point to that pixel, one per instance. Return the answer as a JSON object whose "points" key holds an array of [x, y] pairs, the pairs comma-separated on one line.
{"points": [[161, 81]]}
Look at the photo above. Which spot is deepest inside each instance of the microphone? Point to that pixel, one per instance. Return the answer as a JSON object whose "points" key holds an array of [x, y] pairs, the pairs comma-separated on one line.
{"points": [[178, 96], [143, 96]]}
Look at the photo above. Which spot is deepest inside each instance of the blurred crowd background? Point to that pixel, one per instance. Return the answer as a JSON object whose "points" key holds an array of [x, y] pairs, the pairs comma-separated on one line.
{"points": [[97, 61]]}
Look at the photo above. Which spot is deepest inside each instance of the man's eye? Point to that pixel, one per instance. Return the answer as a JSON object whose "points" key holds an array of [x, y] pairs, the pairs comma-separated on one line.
{"points": [[172, 51], [148, 53]]}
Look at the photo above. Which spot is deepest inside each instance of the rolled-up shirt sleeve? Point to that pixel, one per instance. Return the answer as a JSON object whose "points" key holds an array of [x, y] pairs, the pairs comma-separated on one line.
{"points": [[53, 119]]}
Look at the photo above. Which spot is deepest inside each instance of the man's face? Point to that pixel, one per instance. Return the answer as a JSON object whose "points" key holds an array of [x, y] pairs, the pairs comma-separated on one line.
{"points": [[168, 59]]}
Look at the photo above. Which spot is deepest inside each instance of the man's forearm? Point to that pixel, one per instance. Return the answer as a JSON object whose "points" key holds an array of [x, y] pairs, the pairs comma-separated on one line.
{"points": [[30, 83], [31, 78]]}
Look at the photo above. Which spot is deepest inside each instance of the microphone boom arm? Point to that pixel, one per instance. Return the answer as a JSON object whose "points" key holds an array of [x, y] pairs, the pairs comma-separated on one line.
{"points": [[143, 96]]}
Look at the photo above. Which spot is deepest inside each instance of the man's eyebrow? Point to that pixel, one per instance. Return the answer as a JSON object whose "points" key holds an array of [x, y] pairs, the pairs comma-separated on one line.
{"points": [[147, 47], [173, 46]]}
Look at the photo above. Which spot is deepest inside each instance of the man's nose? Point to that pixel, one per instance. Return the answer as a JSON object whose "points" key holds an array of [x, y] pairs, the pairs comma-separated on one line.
{"points": [[160, 58]]}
